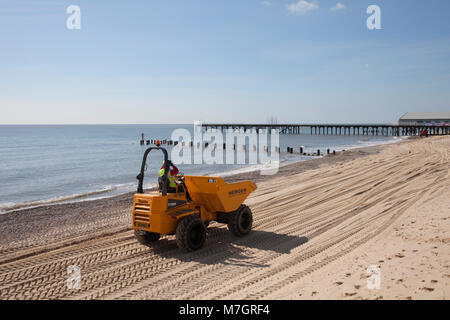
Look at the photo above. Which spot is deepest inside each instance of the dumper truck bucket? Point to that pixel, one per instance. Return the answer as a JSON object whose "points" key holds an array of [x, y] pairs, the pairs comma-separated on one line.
{"points": [[216, 194]]}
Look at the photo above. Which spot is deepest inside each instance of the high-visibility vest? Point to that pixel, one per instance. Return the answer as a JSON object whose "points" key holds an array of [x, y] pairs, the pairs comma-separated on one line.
{"points": [[172, 183]]}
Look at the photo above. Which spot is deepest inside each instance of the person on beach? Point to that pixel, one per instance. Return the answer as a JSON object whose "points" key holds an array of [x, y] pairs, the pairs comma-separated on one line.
{"points": [[171, 176]]}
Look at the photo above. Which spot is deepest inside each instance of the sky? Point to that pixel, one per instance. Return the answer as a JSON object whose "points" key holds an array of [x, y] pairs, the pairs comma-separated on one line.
{"points": [[145, 61]]}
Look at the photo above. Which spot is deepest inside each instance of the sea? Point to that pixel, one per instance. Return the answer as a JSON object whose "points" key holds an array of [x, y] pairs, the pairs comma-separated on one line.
{"points": [[49, 164]]}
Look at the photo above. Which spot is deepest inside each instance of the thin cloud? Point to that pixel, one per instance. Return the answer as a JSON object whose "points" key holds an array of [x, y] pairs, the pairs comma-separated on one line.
{"points": [[338, 7], [302, 7], [266, 3]]}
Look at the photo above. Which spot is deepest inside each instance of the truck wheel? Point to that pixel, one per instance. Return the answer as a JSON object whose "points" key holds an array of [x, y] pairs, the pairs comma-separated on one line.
{"points": [[145, 237], [191, 233], [240, 221]]}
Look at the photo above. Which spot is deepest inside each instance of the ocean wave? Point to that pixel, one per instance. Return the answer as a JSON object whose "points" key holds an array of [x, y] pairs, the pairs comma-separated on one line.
{"points": [[7, 207]]}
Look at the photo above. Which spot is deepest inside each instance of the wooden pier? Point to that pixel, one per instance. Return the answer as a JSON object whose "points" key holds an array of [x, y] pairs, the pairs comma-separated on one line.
{"points": [[335, 129]]}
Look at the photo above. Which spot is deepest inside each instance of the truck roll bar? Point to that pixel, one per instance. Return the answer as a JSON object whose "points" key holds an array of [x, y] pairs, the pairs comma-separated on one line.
{"points": [[165, 180]]}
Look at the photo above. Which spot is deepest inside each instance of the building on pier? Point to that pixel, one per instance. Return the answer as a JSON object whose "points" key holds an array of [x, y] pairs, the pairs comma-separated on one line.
{"points": [[425, 119]]}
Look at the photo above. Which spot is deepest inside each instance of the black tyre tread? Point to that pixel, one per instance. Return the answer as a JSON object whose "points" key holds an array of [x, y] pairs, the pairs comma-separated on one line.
{"points": [[145, 237], [233, 221], [182, 233]]}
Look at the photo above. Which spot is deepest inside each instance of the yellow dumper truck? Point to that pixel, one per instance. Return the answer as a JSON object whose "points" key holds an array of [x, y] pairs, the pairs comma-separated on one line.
{"points": [[187, 210]]}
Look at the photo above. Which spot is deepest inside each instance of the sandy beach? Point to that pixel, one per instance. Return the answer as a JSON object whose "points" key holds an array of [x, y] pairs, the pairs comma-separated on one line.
{"points": [[318, 226]]}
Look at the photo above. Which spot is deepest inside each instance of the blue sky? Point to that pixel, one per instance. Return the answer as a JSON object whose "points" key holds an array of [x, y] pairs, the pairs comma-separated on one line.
{"points": [[180, 61]]}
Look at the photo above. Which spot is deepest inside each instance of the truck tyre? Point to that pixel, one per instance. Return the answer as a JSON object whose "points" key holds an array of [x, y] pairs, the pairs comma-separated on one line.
{"points": [[240, 221], [191, 233], [145, 237]]}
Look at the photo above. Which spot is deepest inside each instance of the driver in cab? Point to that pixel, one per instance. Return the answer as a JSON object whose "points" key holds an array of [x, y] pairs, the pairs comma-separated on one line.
{"points": [[171, 176]]}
